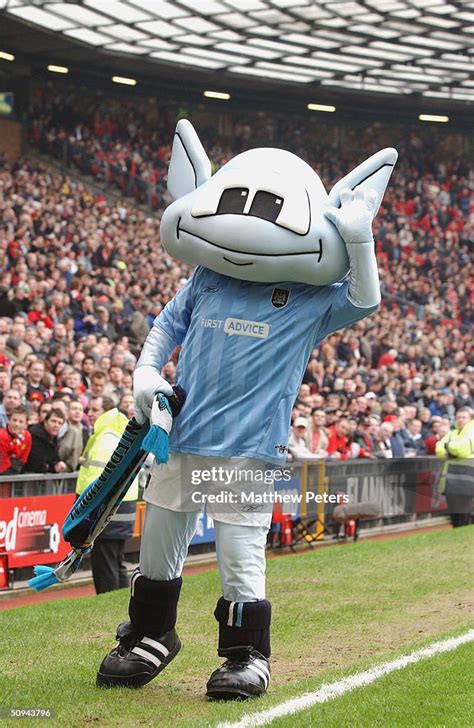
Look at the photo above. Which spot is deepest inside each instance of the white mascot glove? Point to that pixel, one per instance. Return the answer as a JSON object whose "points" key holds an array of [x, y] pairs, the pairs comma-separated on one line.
{"points": [[355, 216], [147, 382], [353, 221]]}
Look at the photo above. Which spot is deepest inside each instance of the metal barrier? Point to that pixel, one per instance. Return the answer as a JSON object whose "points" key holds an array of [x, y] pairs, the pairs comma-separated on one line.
{"points": [[403, 486], [30, 485], [402, 489], [33, 507]]}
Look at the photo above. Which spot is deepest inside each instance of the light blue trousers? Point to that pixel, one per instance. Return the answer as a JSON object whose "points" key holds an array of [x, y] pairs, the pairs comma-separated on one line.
{"points": [[240, 552]]}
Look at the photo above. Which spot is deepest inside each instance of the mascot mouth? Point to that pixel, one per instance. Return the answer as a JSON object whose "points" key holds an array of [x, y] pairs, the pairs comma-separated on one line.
{"points": [[235, 263], [318, 252]]}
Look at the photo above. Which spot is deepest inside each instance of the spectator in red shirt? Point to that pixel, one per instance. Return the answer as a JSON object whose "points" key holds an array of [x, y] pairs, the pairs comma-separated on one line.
{"points": [[388, 358], [339, 446], [37, 312], [15, 443]]}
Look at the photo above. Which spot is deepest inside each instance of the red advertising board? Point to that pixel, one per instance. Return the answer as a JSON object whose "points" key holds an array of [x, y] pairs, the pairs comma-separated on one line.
{"points": [[30, 529]]}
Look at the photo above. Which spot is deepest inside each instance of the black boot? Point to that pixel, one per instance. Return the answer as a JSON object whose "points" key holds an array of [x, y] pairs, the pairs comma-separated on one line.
{"points": [[244, 639], [134, 662], [245, 674], [147, 643]]}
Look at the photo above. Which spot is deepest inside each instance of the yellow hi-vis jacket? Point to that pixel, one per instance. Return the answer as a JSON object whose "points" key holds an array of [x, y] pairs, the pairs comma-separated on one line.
{"points": [[108, 430], [457, 448]]}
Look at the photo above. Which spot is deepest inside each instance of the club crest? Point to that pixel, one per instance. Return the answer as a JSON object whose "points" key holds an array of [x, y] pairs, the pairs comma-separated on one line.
{"points": [[280, 297]]}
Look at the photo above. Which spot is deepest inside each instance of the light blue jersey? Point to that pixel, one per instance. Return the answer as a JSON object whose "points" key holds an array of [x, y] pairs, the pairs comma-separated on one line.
{"points": [[245, 347]]}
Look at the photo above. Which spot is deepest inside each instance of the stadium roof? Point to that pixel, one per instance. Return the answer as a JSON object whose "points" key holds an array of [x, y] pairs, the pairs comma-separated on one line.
{"points": [[377, 46]]}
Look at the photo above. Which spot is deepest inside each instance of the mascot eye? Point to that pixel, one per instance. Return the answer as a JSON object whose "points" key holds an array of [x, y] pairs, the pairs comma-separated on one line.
{"points": [[232, 200], [266, 206]]}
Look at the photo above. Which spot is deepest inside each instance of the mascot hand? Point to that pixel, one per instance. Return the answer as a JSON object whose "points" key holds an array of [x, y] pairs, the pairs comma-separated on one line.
{"points": [[147, 381], [354, 218]]}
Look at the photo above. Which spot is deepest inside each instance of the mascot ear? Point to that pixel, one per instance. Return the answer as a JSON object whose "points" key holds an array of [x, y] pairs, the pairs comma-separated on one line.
{"points": [[189, 164], [373, 174]]}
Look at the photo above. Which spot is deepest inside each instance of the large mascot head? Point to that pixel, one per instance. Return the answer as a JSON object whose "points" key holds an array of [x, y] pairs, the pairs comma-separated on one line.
{"points": [[261, 216]]}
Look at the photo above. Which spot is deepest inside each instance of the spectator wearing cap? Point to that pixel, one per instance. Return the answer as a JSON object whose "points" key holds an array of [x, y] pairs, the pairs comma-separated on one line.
{"points": [[383, 441], [416, 392], [299, 440]]}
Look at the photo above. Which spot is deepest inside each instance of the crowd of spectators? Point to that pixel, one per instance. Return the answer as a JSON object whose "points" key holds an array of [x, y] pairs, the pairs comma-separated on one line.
{"points": [[82, 278]]}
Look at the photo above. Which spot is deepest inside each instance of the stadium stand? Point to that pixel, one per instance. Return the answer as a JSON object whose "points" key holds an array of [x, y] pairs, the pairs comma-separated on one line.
{"points": [[76, 294]]}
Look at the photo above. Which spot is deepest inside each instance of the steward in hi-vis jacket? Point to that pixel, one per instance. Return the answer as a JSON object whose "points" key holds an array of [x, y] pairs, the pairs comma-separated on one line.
{"points": [[108, 569], [457, 478]]}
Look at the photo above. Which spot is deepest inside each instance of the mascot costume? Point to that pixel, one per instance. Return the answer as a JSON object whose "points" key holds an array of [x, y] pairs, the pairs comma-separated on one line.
{"points": [[280, 265]]}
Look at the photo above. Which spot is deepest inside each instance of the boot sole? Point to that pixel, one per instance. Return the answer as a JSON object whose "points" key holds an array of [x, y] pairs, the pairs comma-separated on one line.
{"points": [[135, 681], [231, 694]]}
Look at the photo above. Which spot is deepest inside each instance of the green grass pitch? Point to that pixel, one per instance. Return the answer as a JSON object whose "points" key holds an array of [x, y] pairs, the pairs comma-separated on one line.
{"points": [[337, 611]]}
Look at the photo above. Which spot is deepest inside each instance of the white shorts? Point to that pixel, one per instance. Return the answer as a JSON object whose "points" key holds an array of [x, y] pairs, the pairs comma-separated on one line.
{"points": [[236, 490]]}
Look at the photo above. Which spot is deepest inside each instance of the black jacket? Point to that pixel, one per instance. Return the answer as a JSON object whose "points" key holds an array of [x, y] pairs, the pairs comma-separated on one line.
{"points": [[44, 451]]}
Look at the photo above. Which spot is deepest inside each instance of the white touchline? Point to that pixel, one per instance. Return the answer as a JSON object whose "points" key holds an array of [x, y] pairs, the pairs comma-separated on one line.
{"points": [[336, 689]]}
